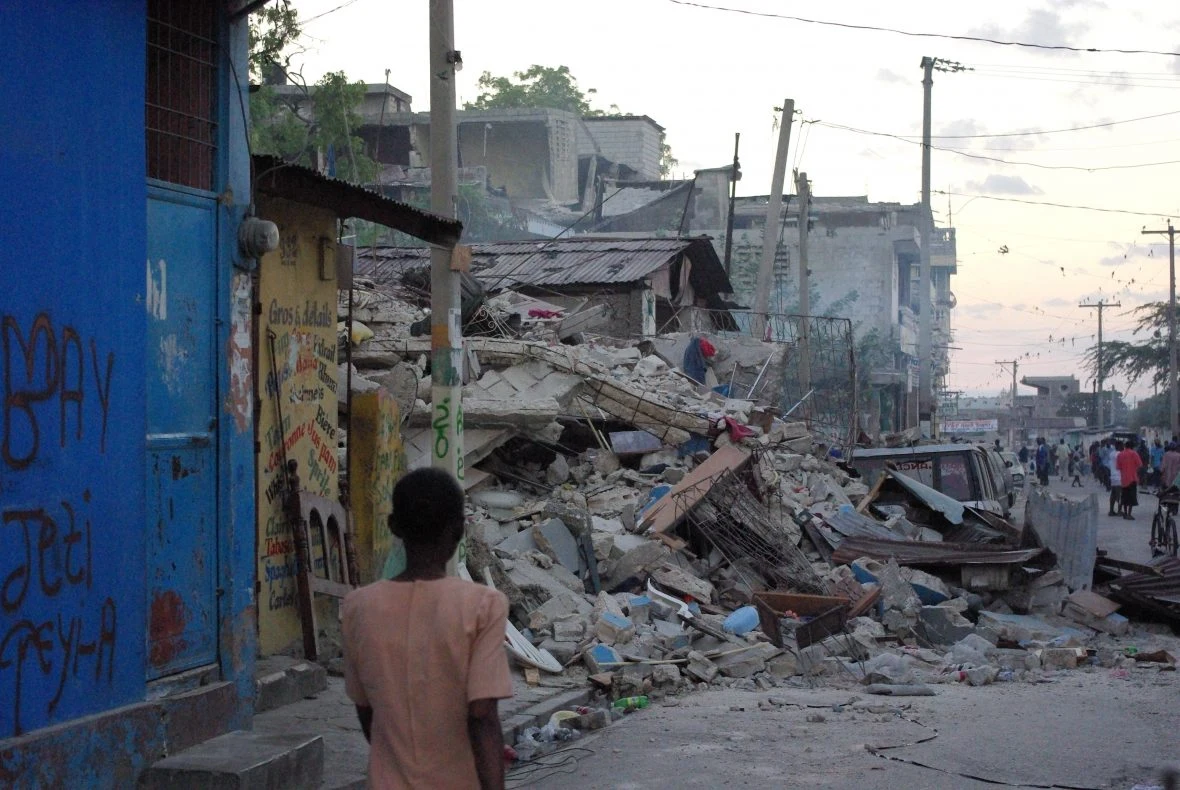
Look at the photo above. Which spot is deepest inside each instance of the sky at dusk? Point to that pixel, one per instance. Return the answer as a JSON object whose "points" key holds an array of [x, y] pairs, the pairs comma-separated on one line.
{"points": [[704, 74]]}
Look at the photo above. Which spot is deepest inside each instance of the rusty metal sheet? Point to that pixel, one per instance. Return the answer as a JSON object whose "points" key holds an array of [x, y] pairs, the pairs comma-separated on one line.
{"points": [[1158, 592], [945, 554]]}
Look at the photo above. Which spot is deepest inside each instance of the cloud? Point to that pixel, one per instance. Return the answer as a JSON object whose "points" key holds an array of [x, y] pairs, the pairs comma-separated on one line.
{"points": [[960, 127], [1176, 61], [1127, 253], [980, 310], [1040, 26], [888, 75], [999, 184], [1056, 301]]}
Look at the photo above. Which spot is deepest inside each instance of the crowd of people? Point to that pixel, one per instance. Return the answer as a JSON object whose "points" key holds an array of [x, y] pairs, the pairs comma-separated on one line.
{"points": [[1121, 466]]}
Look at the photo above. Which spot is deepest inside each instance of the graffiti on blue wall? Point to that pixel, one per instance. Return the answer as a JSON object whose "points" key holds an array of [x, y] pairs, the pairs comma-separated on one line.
{"points": [[59, 634]]}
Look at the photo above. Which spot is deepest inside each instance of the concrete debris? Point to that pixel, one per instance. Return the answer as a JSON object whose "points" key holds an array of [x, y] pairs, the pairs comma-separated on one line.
{"points": [[630, 508]]}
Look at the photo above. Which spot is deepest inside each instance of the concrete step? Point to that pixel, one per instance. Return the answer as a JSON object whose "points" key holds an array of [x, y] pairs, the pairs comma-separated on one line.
{"points": [[243, 761], [280, 681]]}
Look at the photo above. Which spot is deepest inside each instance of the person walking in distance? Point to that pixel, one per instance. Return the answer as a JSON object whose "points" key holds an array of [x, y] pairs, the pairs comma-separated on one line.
{"points": [[1129, 463], [1042, 461], [1075, 468], [1169, 466], [1062, 453], [1116, 480], [424, 657]]}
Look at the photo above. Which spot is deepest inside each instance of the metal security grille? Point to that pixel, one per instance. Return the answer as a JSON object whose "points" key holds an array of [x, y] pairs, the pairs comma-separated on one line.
{"points": [[181, 101]]}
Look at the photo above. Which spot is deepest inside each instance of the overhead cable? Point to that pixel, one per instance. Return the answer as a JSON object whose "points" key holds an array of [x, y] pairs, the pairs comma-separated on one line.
{"points": [[950, 36]]}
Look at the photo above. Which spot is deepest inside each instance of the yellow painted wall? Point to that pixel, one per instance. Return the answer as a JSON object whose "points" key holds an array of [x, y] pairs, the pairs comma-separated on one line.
{"points": [[377, 460], [300, 308]]}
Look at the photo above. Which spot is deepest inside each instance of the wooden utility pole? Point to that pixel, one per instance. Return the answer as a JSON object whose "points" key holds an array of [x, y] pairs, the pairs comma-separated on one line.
{"points": [[1173, 396], [1012, 420], [1101, 305], [803, 190], [774, 208], [734, 175]]}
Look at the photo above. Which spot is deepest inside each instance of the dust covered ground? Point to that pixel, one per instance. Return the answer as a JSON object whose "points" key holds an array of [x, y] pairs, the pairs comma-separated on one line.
{"points": [[1082, 728]]}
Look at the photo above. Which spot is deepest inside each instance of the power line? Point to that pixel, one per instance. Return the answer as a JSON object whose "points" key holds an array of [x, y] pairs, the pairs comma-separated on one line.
{"points": [[958, 152], [913, 34], [1057, 205], [1037, 132], [325, 13]]}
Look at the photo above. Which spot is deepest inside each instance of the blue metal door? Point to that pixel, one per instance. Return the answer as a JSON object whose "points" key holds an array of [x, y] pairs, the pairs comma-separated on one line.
{"points": [[182, 430]]}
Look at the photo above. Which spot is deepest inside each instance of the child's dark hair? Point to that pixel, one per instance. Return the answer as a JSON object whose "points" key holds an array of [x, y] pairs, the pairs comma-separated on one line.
{"points": [[427, 507]]}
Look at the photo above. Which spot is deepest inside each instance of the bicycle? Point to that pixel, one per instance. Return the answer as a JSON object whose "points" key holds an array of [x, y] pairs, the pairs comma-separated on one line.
{"points": [[1163, 525]]}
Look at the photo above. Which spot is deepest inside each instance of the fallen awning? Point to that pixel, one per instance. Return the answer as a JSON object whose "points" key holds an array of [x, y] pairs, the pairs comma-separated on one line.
{"points": [[951, 509]]}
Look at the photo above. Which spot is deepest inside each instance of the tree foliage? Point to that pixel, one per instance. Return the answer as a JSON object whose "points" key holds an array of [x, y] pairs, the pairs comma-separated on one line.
{"points": [[274, 36], [1137, 359], [320, 120], [536, 86]]}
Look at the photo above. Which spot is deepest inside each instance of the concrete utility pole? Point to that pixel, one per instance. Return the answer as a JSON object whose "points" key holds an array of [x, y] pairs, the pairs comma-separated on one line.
{"points": [[926, 316], [773, 215], [925, 329], [1012, 424], [803, 190], [446, 330], [1173, 396], [734, 175], [1101, 305]]}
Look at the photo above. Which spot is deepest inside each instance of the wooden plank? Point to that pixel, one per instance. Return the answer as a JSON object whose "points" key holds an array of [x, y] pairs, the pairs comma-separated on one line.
{"points": [[868, 498], [673, 506]]}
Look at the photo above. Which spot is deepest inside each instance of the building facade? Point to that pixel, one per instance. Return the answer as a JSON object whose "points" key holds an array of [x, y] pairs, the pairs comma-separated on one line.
{"points": [[127, 627]]}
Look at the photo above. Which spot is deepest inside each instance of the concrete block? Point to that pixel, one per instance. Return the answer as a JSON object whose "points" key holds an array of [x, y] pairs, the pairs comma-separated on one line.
{"points": [[701, 668], [288, 684], [243, 760], [1059, 658], [613, 629], [639, 609], [199, 715], [562, 651], [665, 675], [558, 471], [569, 630], [601, 658]]}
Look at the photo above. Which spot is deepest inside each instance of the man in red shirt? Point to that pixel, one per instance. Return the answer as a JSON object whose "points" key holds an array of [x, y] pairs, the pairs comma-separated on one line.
{"points": [[1128, 463]]}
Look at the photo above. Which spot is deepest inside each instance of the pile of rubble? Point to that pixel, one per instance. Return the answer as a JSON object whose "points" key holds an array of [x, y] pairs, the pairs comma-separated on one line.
{"points": [[655, 533]]}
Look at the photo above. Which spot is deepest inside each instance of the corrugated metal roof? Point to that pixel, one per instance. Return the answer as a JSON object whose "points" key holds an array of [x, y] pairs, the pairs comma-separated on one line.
{"points": [[579, 260], [907, 552], [273, 176]]}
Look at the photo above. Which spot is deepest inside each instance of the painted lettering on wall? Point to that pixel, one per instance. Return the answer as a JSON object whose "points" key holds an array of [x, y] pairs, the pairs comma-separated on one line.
{"points": [[300, 309], [59, 631]]}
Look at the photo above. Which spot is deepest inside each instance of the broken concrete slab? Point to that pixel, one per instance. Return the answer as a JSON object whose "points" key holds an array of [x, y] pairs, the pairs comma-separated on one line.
{"points": [[560, 607], [940, 625], [746, 662], [554, 539], [683, 583], [636, 562]]}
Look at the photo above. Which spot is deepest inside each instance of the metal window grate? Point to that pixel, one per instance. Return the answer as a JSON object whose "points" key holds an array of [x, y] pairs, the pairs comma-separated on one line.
{"points": [[181, 98]]}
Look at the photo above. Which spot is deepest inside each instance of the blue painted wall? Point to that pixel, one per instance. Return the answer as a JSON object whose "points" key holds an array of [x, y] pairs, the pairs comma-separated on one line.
{"points": [[71, 360]]}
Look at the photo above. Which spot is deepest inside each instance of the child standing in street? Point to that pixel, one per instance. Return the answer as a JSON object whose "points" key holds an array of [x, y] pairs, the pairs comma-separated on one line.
{"points": [[424, 657]]}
